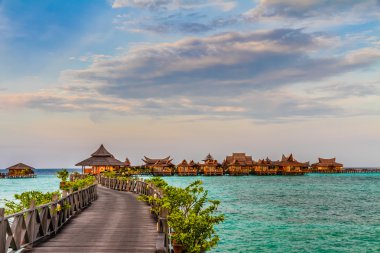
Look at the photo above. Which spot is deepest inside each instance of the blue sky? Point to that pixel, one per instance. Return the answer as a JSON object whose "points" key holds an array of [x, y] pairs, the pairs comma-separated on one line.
{"points": [[188, 77]]}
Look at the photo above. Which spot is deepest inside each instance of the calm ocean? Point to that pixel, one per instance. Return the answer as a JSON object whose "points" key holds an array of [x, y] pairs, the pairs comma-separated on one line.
{"points": [[312, 213]]}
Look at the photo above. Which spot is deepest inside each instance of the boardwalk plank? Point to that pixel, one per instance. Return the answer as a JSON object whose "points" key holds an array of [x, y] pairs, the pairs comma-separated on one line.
{"points": [[116, 222]]}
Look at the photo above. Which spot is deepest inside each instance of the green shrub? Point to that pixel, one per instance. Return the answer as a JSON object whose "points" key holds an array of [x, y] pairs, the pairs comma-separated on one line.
{"points": [[63, 175], [191, 214], [22, 201]]}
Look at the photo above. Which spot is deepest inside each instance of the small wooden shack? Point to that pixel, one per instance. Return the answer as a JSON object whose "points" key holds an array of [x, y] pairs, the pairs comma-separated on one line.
{"points": [[101, 160], [326, 166], [187, 168], [211, 167], [238, 164], [290, 166], [159, 167], [20, 170]]}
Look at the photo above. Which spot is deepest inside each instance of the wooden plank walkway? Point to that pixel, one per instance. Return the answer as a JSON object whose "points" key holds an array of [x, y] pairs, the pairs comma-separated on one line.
{"points": [[115, 222]]}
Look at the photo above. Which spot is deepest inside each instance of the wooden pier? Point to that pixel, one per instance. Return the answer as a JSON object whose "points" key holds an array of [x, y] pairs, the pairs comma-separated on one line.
{"points": [[116, 222]]}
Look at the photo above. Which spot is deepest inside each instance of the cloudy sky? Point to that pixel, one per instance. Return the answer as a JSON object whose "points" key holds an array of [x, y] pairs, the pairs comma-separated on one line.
{"points": [[188, 77]]}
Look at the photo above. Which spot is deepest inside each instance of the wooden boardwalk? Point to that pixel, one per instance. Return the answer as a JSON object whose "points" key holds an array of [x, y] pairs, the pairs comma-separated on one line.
{"points": [[115, 222]]}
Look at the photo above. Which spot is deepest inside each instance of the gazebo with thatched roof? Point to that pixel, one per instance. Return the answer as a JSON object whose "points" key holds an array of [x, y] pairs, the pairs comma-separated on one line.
{"points": [[20, 170], [101, 160]]}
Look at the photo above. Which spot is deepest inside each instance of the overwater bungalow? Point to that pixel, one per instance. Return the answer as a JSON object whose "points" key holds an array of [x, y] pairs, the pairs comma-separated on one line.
{"points": [[211, 167], [265, 167], [159, 167], [290, 166], [238, 164], [326, 166], [101, 160], [20, 170], [187, 168]]}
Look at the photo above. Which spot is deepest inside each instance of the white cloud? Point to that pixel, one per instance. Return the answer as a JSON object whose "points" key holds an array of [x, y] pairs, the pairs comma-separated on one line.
{"points": [[314, 13], [174, 4]]}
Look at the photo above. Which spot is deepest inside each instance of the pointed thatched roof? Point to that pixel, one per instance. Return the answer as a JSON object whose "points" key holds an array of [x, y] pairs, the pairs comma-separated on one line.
{"points": [[290, 161], [101, 157], [20, 166], [127, 162], [102, 151], [209, 157], [164, 161]]}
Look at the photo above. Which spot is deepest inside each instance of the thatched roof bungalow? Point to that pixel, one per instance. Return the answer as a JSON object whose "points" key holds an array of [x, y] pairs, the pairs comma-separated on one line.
{"points": [[101, 160], [210, 166], [238, 164], [20, 170], [187, 168], [290, 166], [265, 167], [326, 165], [159, 167]]}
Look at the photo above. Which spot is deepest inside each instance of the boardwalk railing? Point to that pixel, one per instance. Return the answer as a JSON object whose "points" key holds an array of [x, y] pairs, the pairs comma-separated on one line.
{"points": [[21, 230], [163, 244]]}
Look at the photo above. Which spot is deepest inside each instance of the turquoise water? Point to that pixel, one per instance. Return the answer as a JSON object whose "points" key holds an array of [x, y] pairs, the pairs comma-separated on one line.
{"points": [[312, 213], [45, 181]]}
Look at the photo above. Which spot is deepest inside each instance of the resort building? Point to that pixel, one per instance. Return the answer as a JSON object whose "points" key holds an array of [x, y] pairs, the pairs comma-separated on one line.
{"points": [[265, 167], [187, 168], [211, 167], [290, 166], [127, 163], [101, 160], [238, 164], [326, 166], [20, 170], [159, 167]]}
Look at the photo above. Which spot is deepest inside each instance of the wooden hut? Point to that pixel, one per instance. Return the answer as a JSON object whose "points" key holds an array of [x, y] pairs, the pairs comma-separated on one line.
{"points": [[238, 164], [211, 167], [290, 166], [101, 160], [159, 167], [326, 166], [265, 167], [20, 170], [187, 168]]}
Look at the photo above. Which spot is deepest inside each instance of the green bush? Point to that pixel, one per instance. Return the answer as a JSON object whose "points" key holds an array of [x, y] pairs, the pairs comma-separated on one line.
{"points": [[22, 201], [63, 175], [79, 183], [191, 214]]}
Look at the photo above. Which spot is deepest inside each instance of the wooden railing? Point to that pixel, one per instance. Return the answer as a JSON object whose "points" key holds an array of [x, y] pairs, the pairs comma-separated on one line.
{"points": [[21, 230], [140, 187]]}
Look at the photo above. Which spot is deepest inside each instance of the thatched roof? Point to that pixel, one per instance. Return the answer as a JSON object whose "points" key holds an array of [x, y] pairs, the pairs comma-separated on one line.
{"points": [[209, 157], [290, 161], [183, 163], [20, 166], [239, 159], [323, 162], [101, 157], [164, 161]]}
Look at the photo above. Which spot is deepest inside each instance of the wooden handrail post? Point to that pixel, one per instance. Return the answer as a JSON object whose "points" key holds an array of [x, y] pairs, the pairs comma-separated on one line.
{"points": [[31, 220], [3, 231]]}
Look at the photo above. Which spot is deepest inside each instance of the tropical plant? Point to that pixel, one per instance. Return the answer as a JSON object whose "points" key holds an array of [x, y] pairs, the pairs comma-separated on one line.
{"points": [[191, 214], [79, 183], [63, 175], [22, 201]]}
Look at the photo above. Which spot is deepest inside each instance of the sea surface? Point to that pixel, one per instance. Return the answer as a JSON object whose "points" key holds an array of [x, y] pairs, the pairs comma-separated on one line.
{"points": [[311, 213]]}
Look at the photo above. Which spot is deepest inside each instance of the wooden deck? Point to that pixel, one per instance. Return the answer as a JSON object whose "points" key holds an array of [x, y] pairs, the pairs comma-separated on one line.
{"points": [[115, 222]]}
